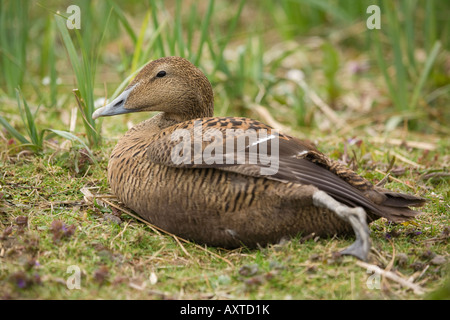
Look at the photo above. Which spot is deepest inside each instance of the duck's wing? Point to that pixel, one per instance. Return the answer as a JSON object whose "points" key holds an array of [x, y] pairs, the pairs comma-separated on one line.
{"points": [[251, 148]]}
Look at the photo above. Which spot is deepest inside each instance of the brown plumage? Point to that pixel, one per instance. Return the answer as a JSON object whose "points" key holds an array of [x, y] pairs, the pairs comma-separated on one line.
{"points": [[225, 202]]}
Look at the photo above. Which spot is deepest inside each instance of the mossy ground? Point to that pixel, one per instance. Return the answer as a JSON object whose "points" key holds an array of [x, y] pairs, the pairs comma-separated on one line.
{"points": [[123, 258]]}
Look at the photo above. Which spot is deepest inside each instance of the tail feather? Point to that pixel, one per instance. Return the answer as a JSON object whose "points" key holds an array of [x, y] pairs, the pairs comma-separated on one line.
{"points": [[395, 199], [397, 214], [395, 206]]}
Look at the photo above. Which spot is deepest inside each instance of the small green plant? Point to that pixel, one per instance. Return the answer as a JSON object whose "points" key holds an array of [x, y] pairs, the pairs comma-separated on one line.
{"points": [[84, 70], [34, 138]]}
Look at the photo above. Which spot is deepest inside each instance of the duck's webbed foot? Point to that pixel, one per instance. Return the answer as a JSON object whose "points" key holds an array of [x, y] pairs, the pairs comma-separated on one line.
{"points": [[355, 216]]}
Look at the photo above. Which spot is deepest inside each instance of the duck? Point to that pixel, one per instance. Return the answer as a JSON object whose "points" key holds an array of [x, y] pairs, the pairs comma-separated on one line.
{"points": [[233, 182]]}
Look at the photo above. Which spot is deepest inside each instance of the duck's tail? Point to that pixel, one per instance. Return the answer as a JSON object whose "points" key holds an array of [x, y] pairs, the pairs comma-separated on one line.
{"points": [[395, 206]]}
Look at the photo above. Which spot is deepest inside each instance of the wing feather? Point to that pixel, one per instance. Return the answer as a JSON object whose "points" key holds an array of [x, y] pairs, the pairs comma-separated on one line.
{"points": [[297, 161]]}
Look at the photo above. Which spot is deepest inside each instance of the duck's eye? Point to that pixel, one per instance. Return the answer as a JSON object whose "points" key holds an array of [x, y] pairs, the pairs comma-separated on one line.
{"points": [[161, 74]]}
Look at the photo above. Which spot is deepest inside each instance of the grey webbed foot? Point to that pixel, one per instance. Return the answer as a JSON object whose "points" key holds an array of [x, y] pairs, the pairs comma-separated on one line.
{"points": [[355, 216]]}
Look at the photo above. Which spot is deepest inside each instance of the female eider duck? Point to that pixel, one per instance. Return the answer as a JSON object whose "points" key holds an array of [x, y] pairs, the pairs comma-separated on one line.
{"points": [[230, 182]]}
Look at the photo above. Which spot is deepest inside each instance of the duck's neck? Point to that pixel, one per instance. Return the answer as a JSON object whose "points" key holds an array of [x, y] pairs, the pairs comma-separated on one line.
{"points": [[167, 119]]}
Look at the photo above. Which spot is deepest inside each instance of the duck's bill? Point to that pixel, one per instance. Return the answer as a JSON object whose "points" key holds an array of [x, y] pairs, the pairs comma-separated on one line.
{"points": [[117, 106]]}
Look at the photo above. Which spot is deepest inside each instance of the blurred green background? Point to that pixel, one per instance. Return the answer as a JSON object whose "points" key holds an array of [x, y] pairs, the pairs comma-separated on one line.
{"points": [[395, 76]]}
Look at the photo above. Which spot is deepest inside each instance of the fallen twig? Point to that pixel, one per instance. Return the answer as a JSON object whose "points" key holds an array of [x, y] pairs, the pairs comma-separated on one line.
{"points": [[433, 175], [399, 142], [401, 158], [267, 117], [392, 276], [390, 264], [396, 180]]}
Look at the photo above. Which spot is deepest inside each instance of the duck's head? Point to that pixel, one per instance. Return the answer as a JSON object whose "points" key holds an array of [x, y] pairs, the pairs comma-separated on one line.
{"points": [[172, 85]]}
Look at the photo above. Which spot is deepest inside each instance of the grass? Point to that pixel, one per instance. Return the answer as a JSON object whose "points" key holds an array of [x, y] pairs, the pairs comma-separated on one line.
{"points": [[377, 100], [13, 42], [117, 260]]}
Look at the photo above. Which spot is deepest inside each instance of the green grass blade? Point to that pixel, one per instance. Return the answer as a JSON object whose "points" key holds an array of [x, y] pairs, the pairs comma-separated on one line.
{"points": [[28, 120], [156, 24], [223, 42], [430, 24], [408, 9], [383, 67], [424, 75], [84, 70], [73, 55], [151, 43], [178, 30], [191, 26], [14, 28], [48, 59], [395, 38], [204, 30], [121, 16], [70, 136], [139, 43], [326, 6], [16, 134]]}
